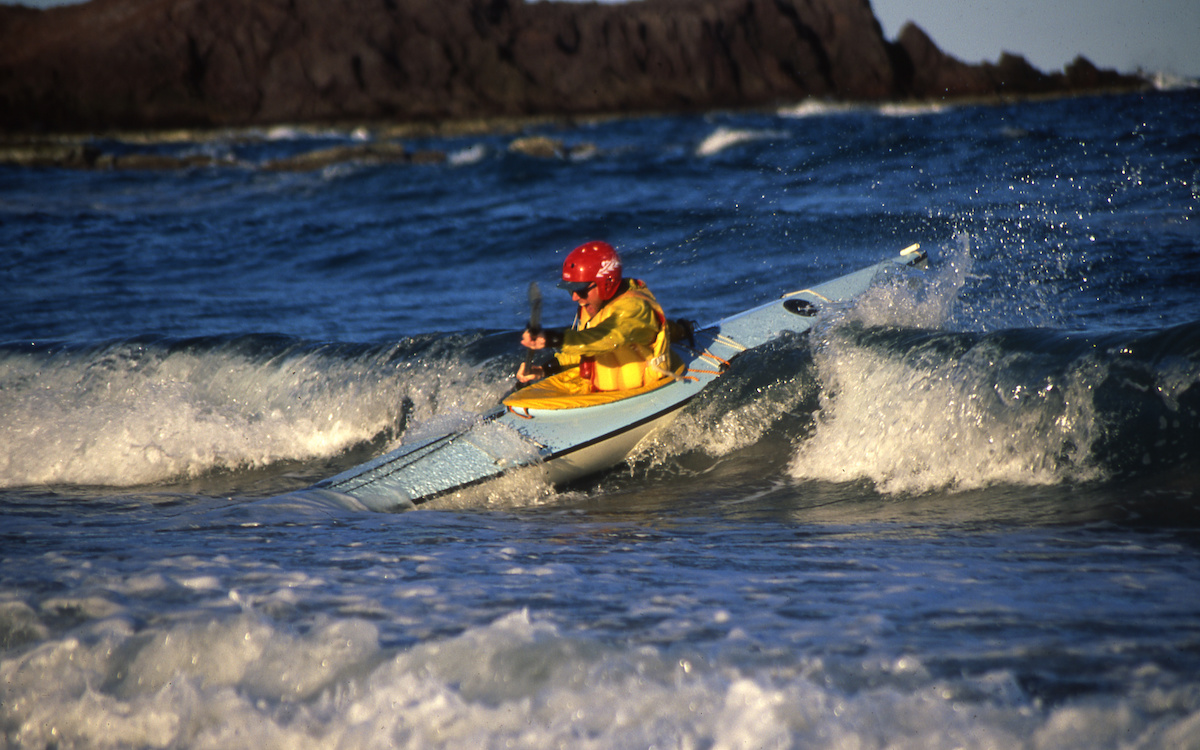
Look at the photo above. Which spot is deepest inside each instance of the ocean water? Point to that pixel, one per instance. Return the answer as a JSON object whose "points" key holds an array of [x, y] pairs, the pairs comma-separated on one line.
{"points": [[960, 513]]}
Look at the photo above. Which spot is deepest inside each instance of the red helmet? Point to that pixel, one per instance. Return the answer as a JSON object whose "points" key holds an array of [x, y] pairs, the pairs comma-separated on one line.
{"points": [[592, 262]]}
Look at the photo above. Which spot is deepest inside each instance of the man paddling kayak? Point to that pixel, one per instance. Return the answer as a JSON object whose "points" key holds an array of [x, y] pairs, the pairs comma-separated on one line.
{"points": [[620, 339], [572, 436]]}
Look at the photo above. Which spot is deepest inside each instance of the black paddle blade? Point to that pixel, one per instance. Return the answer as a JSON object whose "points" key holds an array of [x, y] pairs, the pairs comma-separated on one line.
{"points": [[535, 307]]}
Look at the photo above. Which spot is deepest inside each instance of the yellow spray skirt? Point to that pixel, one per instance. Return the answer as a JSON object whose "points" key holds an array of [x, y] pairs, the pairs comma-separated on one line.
{"points": [[567, 390]]}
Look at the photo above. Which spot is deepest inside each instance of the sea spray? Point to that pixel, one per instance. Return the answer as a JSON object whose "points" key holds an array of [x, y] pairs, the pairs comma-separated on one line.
{"points": [[763, 389], [776, 386], [913, 411]]}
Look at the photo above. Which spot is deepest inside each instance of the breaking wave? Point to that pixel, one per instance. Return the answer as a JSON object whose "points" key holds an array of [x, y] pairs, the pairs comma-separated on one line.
{"points": [[916, 411], [882, 392], [879, 391], [143, 411]]}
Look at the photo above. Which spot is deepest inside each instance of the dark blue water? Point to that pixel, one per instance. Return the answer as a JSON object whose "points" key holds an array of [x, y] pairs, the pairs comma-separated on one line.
{"points": [[961, 512]]}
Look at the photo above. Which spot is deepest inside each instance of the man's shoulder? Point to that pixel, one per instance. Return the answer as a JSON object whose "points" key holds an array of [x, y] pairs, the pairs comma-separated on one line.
{"points": [[634, 298], [635, 289]]}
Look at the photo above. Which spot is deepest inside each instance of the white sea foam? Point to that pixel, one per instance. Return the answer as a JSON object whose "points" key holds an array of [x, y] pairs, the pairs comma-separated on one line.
{"points": [[817, 108], [131, 417], [1168, 81], [724, 137], [717, 428], [914, 427], [912, 109], [467, 156], [239, 681]]}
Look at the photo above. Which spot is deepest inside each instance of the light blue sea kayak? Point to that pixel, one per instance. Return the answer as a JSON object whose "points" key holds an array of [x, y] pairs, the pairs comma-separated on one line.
{"points": [[571, 443]]}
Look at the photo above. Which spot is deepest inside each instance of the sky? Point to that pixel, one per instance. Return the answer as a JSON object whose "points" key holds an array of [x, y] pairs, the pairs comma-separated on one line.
{"points": [[1151, 35]]}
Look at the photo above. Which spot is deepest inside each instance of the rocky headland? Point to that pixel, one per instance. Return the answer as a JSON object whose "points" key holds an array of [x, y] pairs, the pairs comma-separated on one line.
{"points": [[120, 65]]}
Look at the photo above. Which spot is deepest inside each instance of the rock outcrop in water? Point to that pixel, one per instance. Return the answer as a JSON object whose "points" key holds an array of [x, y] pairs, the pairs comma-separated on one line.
{"points": [[137, 64]]}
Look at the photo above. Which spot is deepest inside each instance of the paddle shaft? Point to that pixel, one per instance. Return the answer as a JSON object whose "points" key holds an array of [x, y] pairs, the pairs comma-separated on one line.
{"points": [[535, 318], [535, 307]]}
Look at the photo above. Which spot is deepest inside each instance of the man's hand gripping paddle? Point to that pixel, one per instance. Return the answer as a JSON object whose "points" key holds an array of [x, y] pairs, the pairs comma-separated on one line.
{"points": [[535, 319]]}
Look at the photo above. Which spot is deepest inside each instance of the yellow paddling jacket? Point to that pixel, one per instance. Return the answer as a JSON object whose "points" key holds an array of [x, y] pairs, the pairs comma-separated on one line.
{"points": [[625, 346]]}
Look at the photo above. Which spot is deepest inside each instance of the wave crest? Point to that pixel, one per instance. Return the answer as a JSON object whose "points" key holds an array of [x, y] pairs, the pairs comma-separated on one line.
{"points": [[144, 411]]}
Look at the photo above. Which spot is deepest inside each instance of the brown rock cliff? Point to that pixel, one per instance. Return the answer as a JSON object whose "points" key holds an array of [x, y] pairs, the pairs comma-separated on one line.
{"points": [[194, 63]]}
